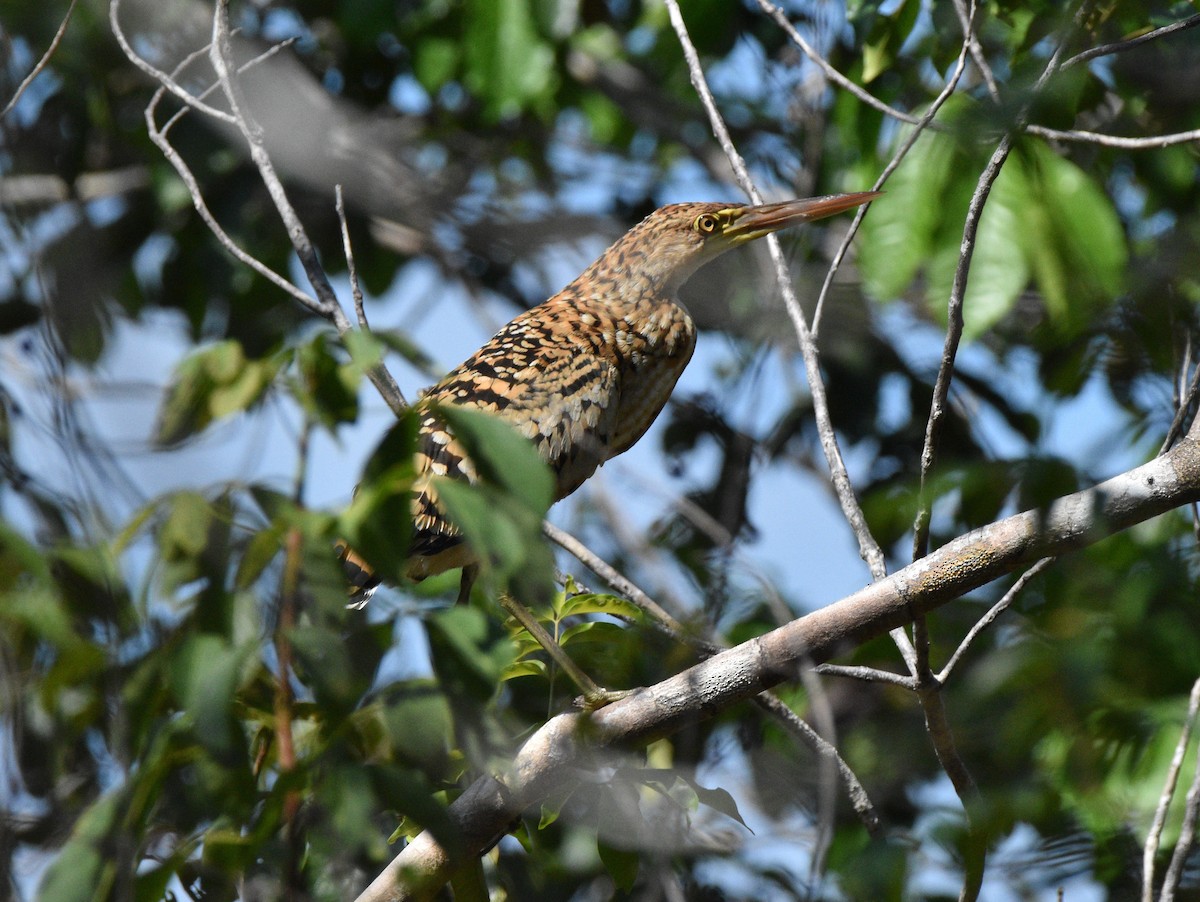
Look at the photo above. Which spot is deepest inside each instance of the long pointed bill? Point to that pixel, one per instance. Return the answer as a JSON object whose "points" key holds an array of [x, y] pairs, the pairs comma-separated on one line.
{"points": [[754, 222]]}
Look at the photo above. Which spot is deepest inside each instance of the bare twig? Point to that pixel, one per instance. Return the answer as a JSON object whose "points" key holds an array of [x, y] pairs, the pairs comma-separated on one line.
{"points": [[203, 51], [992, 615], [967, 20], [612, 576], [158, 136], [905, 146], [1185, 406], [328, 306], [355, 290], [1154, 836], [1130, 43], [41, 64], [928, 686], [954, 329], [954, 307], [954, 315], [801, 731], [868, 675], [220, 55], [831, 73], [1116, 141], [189, 180], [167, 81], [325, 304], [1191, 815]]}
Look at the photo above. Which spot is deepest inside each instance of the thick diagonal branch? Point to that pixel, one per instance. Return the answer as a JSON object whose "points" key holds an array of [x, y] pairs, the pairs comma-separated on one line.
{"points": [[569, 742]]}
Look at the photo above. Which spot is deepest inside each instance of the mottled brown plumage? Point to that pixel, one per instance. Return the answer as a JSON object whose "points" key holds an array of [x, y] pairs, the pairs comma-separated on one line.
{"points": [[585, 373]]}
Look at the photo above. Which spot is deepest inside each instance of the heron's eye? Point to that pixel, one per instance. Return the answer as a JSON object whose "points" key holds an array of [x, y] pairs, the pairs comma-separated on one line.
{"points": [[706, 224]]}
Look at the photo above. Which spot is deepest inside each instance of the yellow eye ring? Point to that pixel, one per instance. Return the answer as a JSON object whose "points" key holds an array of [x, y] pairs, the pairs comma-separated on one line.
{"points": [[705, 224]]}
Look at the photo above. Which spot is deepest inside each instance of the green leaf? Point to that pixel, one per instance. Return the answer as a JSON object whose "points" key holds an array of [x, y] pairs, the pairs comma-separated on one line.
{"points": [[599, 604], [1081, 259], [501, 455], [594, 631], [205, 674], [185, 531], [500, 531], [888, 34], [260, 551], [328, 388], [719, 800], [999, 265], [898, 234], [18, 557], [527, 667], [435, 61], [378, 522], [507, 64], [210, 384], [80, 872], [325, 668], [621, 865], [462, 655]]}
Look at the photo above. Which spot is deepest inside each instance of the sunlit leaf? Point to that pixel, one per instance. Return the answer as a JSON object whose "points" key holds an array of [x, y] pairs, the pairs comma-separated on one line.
{"points": [[212, 383], [498, 33], [612, 605]]}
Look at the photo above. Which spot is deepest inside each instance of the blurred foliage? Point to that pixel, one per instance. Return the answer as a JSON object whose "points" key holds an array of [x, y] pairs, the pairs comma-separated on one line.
{"points": [[149, 747]]}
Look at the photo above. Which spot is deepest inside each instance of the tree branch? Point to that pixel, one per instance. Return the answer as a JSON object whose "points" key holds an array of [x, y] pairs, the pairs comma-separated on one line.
{"points": [[1121, 46], [1154, 835], [41, 64], [553, 754]]}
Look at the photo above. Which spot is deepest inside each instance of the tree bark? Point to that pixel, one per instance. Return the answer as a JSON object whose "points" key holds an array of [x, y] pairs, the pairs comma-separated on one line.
{"points": [[569, 742]]}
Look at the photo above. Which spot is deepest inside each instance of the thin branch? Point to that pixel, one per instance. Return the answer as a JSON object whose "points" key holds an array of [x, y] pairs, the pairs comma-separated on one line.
{"points": [[967, 20], [42, 63], [1116, 141], [1185, 405], [929, 688], [937, 725], [954, 329], [193, 186], [767, 701], [868, 548], [954, 309], [906, 145], [868, 675], [168, 82], [220, 56], [160, 140], [991, 616], [806, 735], [831, 73], [612, 576], [203, 51], [355, 290], [284, 700], [1130, 43], [384, 381], [1154, 836], [326, 304]]}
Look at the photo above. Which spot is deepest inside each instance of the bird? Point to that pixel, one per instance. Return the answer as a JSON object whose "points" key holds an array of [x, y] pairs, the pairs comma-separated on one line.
{"points": [[582, 375]]}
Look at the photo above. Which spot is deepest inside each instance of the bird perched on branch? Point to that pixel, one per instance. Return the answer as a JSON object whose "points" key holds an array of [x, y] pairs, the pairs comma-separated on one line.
{"points": [[584, 374]]}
